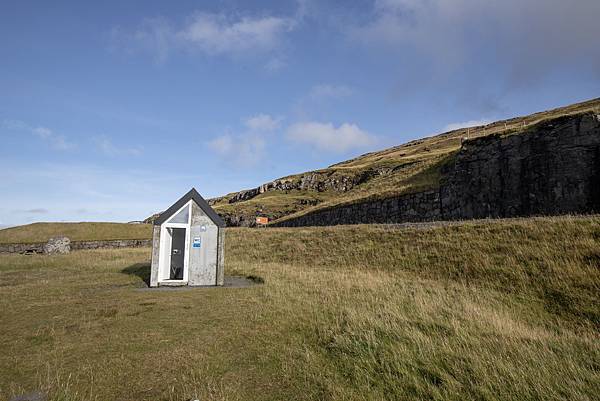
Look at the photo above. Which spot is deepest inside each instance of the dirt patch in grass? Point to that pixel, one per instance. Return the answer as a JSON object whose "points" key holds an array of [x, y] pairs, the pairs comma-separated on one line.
{"points": [[229, 282]]}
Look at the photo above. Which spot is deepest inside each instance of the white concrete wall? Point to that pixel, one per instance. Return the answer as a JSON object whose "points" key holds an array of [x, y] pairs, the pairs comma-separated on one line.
{"points": [[203, 261], [155, 256]]}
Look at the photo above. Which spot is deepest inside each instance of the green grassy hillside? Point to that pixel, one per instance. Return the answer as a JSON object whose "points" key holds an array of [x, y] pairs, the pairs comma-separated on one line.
{"points": [[504, 310], [412, 167], [41, 232]]}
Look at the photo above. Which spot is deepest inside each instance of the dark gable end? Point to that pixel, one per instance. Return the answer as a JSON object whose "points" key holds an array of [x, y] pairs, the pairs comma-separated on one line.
{"points": [[193, 194]]}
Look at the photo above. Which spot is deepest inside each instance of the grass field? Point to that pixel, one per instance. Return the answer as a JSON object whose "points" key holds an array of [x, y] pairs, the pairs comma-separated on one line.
{"points": [[42, 232], [487, 311]]}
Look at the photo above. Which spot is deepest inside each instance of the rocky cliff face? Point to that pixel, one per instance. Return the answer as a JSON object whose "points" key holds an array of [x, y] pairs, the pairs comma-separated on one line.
{"points": [[318, 181], [552, 168]]}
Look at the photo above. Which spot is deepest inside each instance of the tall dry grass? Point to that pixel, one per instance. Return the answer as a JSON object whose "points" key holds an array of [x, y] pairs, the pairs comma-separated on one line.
{"points": [[493, 311]]}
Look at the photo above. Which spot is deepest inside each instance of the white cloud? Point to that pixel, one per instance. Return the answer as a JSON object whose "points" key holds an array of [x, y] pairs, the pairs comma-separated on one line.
{"points": [[211, 34], [56, 141], [219, 34], [105, 145], [42, 132], [327, 137], [465, 124], [223, 144], [248, 148], [262, 122], [329, 91], [239, 150]]}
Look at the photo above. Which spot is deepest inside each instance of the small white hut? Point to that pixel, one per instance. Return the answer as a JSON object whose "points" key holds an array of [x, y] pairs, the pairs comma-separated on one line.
{"points": [[187, 244]]}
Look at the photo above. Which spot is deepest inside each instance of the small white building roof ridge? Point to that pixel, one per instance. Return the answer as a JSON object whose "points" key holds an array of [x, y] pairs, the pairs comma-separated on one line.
{"points": [[196, 197]]}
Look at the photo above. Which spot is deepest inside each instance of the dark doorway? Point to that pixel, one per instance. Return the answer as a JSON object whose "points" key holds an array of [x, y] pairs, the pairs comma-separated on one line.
{"points": [[177, 253]]}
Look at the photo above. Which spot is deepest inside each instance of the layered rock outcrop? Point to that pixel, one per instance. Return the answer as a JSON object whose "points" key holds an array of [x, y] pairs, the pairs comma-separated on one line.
{"points": [[318, 181], [552, 168]]}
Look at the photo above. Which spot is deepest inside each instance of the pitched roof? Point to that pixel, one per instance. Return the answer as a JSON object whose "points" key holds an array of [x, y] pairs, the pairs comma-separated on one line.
{"points": [[192, 194]]}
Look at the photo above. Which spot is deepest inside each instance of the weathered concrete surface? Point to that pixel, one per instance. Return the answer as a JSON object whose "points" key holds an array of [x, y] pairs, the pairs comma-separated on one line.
{"points": [[203, 261], [221, 257], [553, 168], [155, 256]]}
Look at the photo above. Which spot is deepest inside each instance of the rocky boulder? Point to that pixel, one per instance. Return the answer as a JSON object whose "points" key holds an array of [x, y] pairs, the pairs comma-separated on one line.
{"points": [[57, 245]]}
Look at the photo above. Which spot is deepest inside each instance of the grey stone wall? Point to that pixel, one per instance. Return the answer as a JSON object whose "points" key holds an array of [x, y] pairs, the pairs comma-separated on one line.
{"points": [[119, 243], [76, 245], [422, 206], [23, 248], [553, 168]]}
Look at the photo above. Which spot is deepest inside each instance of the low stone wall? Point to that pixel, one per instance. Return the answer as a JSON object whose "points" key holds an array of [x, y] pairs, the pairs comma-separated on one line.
{"points": [[77, 245], [419, 207], [120, 243], [22, 248]]}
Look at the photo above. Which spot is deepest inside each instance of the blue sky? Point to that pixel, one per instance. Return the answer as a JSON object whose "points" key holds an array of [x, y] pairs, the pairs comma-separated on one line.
{"points": [[109, 111]]}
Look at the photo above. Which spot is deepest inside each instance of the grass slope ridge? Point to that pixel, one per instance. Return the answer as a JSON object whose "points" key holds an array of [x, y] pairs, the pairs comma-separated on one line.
{"points": [[486, 311], [409, 168], [42, 232]]}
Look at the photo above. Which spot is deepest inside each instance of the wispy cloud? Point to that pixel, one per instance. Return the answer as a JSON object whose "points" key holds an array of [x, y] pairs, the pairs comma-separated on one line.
{"points": [[33, 211], [105, 145], [246, 148], [466, 124], [326, 137], [222, 34], [55, 140], [239, 150], [212, 34], [447, 35], [263, 122]]}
